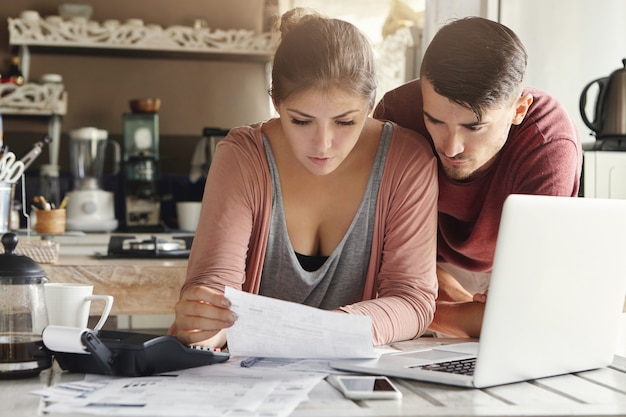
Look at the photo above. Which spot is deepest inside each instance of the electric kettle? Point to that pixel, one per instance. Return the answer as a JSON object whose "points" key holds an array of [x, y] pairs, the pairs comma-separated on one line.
{"points": [[23, 314], [609, 119]]}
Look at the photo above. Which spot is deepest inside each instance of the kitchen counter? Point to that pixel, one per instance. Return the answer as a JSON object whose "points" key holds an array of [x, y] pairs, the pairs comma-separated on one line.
{"points": [[140, 286]]}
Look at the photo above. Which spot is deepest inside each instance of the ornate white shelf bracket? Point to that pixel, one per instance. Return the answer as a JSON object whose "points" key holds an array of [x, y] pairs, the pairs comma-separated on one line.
{"points": [[33, 99], [53, 31]]}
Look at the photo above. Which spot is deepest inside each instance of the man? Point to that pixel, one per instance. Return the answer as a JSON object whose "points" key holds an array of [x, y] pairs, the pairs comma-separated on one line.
{"points": [[492, 137]]}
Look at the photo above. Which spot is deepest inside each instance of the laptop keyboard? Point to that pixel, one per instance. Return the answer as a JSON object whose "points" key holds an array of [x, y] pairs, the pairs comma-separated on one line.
{"points": [[463, 366]]}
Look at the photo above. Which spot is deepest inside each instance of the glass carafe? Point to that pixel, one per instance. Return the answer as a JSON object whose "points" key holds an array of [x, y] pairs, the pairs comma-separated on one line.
{"points": [[23, 314], [88, 147]]}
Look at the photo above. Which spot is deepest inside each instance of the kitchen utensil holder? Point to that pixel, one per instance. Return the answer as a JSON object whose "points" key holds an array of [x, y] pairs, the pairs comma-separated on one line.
{"points": [[50, 222]]}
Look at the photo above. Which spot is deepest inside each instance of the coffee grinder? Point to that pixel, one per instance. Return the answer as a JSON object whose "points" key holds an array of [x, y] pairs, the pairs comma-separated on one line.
{"points": [[141, 168]]}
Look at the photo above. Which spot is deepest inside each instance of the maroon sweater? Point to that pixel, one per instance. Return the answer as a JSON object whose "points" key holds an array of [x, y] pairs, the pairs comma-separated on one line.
{"points": [[542, 155]]}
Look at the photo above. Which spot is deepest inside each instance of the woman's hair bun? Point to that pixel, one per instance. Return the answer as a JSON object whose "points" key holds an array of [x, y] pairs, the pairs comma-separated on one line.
{"points": [[295, 17]]}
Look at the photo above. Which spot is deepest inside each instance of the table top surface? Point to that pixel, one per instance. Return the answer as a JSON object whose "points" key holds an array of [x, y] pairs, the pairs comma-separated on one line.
{"points": [[590, 393]]}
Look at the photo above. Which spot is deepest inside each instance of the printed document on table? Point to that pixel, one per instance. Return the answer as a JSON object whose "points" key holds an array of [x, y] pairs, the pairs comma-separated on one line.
{"points": [[207, 391], [268, 327]]}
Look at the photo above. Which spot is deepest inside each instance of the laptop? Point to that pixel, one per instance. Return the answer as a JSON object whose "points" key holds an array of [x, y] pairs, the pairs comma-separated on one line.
{"points": [[555, 299]]}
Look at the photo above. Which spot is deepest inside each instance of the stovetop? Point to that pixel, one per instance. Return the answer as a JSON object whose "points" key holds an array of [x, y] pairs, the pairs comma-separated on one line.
{"points": [[124, 246]]}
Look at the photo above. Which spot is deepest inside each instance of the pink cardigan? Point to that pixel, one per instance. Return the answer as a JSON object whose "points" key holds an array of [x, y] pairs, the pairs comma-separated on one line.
{"points": [[401, 286]]}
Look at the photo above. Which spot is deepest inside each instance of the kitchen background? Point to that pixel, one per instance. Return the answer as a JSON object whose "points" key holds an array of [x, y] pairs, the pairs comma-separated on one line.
{"points": [[196, 90], [570, 43]]}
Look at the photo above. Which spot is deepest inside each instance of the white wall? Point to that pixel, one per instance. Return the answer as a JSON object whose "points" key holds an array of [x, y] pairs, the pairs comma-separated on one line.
{"points": [[570, 43]]}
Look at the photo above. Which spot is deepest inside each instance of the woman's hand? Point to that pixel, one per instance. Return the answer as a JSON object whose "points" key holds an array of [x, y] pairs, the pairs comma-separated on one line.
{"points": [[480, 297], [201, 315]]}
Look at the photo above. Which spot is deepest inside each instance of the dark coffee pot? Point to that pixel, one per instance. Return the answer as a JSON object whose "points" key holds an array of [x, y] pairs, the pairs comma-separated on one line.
{"points": [[609, 119], [23, 314]]}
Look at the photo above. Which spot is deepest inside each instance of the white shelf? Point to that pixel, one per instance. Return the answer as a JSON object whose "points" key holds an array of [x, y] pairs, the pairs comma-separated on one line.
{"points": [[133, 35], [33, 99]]}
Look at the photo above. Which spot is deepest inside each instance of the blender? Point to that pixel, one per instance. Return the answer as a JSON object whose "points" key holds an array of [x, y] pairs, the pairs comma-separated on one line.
{"points": [[89, 207]]}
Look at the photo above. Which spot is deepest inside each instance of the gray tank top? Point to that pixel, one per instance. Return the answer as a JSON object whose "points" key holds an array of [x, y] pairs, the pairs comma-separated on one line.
{"points": [[339, 281]]}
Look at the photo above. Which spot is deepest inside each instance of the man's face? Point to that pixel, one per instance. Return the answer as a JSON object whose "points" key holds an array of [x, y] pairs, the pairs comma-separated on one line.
{"points": [[467, 147]]}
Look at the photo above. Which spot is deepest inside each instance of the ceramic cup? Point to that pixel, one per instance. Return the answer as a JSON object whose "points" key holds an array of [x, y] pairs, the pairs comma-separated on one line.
{"points": [[188, 215], [68, 304]]}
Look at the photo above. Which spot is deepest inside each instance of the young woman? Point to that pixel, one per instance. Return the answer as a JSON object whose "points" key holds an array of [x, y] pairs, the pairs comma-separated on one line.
{"points": [[322, 205]]}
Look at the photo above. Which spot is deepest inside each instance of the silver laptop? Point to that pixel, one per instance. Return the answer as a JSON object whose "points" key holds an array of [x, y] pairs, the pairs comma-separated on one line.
{"points": [[555, 300]]}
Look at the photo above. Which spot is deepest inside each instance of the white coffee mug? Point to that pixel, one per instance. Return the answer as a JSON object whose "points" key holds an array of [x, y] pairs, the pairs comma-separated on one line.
{"points": [[68, 304]]}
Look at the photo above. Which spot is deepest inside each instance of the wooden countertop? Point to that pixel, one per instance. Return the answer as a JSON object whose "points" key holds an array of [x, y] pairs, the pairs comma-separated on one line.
{"points": [[88, 260], [139, 286]]}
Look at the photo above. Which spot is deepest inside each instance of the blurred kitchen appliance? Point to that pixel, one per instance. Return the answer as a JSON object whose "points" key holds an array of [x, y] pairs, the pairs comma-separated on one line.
{"points": [[204, 151], [609, 119], [212, 135], [141, 170], [89, 207]]}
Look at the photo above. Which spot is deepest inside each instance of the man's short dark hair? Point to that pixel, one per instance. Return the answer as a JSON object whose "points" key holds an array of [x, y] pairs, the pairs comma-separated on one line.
{"points": [[476, 63]]}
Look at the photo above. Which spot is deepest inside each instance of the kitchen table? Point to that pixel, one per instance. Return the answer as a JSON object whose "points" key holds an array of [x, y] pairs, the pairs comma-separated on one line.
{"points": [[591, 393]]}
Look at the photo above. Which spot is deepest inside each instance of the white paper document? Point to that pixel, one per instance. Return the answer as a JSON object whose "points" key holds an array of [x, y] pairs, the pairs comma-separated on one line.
{"points": [[209, 391], [267, 327]]}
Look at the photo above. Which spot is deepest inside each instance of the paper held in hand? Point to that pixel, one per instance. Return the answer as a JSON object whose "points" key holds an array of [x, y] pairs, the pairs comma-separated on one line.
{"points": [[268, 327]]}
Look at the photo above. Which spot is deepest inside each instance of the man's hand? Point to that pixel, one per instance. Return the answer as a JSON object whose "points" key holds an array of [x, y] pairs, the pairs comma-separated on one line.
{"points": [[454, 319], [458, 313], [201, 316], [450, 289]]}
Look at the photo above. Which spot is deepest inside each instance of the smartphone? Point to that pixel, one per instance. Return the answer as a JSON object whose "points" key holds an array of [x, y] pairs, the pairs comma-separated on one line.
{"points": [[365, 387]]}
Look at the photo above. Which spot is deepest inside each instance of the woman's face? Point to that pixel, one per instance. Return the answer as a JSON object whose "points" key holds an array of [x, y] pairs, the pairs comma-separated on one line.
{"points": [[322, 127]]}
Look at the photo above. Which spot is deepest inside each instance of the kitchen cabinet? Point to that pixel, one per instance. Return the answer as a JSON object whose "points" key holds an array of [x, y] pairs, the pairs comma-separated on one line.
{"points": [[604, 174]]}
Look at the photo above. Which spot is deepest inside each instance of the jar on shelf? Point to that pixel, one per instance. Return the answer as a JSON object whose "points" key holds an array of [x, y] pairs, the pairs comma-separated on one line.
{"points": [[14, 73]]}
